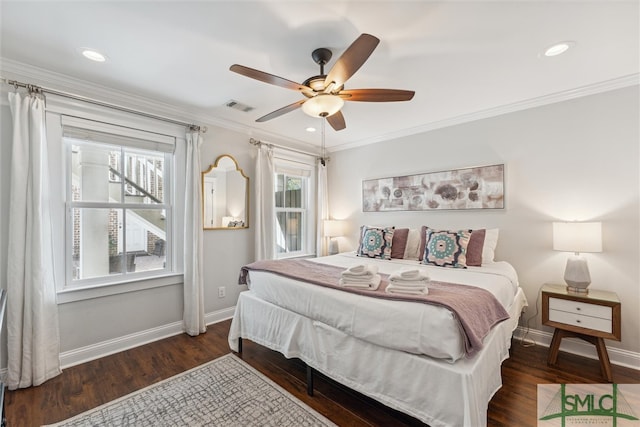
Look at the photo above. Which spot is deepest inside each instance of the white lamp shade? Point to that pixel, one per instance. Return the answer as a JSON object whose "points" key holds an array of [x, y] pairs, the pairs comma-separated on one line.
{"points": [[322, 105], [333, 228], [577, 236]]}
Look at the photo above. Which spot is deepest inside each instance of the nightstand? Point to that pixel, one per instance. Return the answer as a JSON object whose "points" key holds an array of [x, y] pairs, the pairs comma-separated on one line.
{"points": [[592, 317]]}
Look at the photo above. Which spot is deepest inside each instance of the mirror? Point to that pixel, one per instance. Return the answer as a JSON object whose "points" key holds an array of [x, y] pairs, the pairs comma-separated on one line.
{"points": [[225, 196]]}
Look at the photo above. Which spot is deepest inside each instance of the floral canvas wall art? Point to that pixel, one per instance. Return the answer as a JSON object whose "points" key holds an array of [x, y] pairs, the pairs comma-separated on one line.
{"points": [[470, 188]]}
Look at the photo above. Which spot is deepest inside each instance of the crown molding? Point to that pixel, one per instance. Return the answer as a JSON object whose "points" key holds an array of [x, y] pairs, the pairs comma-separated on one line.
{"points": [[605, 86], [15, 70]]}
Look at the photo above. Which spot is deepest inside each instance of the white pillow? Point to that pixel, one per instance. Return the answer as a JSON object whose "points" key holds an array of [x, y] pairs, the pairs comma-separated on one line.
{"points": [[412, 250], [490, 243]]}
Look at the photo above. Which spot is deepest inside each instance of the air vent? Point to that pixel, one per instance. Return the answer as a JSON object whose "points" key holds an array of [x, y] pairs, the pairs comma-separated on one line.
{"points": [[239, 106]]}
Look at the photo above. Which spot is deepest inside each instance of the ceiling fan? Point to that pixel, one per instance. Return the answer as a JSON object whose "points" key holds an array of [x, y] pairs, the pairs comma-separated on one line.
{"points": [[325, 93]]}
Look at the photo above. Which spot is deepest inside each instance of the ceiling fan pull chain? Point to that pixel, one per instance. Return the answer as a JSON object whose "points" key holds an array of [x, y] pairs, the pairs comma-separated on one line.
{"points": [[323, 149]]}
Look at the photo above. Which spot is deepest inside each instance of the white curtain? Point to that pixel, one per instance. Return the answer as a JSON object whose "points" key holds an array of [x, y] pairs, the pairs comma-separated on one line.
{"points": [[193, 316], [265, 207], [323, 210], [33, 338]]}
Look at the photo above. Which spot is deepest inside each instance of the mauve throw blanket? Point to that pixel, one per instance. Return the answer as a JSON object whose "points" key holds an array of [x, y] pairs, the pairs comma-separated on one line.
{"points": [[476, 309]]}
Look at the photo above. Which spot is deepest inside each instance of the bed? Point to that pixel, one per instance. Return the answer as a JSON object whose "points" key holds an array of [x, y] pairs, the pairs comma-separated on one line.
{"points": [[409, 356]]}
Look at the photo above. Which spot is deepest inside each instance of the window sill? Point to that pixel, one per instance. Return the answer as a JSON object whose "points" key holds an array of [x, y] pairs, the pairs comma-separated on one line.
{"points": [[68, 295]]}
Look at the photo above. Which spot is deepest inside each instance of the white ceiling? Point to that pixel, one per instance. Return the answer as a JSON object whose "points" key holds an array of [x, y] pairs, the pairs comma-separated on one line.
{"points": [[460, 57]]}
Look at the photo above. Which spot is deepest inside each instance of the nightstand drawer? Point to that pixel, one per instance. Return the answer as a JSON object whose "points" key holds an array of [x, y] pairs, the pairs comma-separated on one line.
{"points": [[580, 320], [575, 307]]}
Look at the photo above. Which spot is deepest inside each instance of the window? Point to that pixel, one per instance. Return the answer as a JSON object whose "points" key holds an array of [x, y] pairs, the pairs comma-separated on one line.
{"points": [[293, 208], [119, 211]]}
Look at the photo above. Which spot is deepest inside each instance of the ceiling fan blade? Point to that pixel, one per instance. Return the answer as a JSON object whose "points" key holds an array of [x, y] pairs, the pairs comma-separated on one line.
{"points": [[376, 95], [281, 111], [268, 78], [337, 121], [352, 59]]}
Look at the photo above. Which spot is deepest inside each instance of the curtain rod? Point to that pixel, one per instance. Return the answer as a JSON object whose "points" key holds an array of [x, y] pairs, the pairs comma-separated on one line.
{"points": [[257, 143], [17, 84]]}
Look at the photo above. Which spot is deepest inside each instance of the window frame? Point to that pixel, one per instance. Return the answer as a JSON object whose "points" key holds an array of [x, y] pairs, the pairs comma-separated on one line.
{"points": [[304, 168], [104, 118]]}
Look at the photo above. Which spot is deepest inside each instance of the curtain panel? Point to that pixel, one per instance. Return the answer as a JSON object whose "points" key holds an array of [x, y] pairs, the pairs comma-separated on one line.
{"points": [[33, 338], [265, 209], [193, 316]]}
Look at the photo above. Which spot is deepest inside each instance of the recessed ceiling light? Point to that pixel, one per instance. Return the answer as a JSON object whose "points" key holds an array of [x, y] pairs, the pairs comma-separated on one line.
{"points": [[558, 48], [310, 129], [93, 55]]}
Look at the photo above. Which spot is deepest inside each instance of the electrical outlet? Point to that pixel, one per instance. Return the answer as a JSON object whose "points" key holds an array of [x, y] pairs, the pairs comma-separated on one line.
{"points": [[221, 292]]}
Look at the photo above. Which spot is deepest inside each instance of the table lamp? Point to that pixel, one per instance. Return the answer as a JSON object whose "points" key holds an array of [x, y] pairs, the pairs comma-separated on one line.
{"points": [[333, 228], [577, 237]]}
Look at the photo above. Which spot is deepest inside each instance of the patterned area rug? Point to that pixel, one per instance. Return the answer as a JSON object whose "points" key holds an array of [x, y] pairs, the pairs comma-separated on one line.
{"points": [[223, 392]]}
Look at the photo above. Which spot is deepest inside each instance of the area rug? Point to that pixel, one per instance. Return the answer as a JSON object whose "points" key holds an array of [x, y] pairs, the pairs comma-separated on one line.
{"points": [[223, 392]]}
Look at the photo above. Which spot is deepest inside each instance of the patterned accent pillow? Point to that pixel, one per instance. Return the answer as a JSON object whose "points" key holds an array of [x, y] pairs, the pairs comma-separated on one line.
{"points": [[375, 242], [446, 248]]}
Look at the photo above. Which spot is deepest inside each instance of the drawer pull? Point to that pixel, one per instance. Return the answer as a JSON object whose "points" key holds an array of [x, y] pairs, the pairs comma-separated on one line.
{"points": [[578, 321], [578, 308]]}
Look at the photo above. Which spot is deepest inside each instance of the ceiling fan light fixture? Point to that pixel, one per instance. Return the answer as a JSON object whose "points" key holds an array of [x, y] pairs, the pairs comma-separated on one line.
{"points": [[323, 105]]}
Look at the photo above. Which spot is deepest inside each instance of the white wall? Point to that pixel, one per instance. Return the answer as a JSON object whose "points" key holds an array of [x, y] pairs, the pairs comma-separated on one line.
{"points": [[225, 251], [574, 160]]}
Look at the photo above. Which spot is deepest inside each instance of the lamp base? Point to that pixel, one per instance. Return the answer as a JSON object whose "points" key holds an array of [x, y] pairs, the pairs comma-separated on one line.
{"points": [[333, 246], [576, 275]]}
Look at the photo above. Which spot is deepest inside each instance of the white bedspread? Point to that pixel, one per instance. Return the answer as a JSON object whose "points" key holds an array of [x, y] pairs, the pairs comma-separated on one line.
{"points": [[407, 326], [440, 394]]}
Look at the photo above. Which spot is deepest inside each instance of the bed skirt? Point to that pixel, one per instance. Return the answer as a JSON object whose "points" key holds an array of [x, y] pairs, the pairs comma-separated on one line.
{"points": [[436, 392]]}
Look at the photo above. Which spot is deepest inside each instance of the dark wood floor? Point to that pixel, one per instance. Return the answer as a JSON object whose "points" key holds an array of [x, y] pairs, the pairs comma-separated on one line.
{"points": [[85, 386]]}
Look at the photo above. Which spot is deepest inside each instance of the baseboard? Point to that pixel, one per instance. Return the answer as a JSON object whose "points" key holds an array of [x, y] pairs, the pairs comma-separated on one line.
{"points": [[105, 348], [577, 346], [617, 356], [219, 316]]}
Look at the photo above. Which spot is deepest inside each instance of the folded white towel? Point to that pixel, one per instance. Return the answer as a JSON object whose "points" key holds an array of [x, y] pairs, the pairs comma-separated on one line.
{"points": [[357, 269], [413, 273], [407, 287], [358, 279], [372, 285], [361, 270], [410, 283], [409, 290], [401, 281], [410, 276], [405, 292]]}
